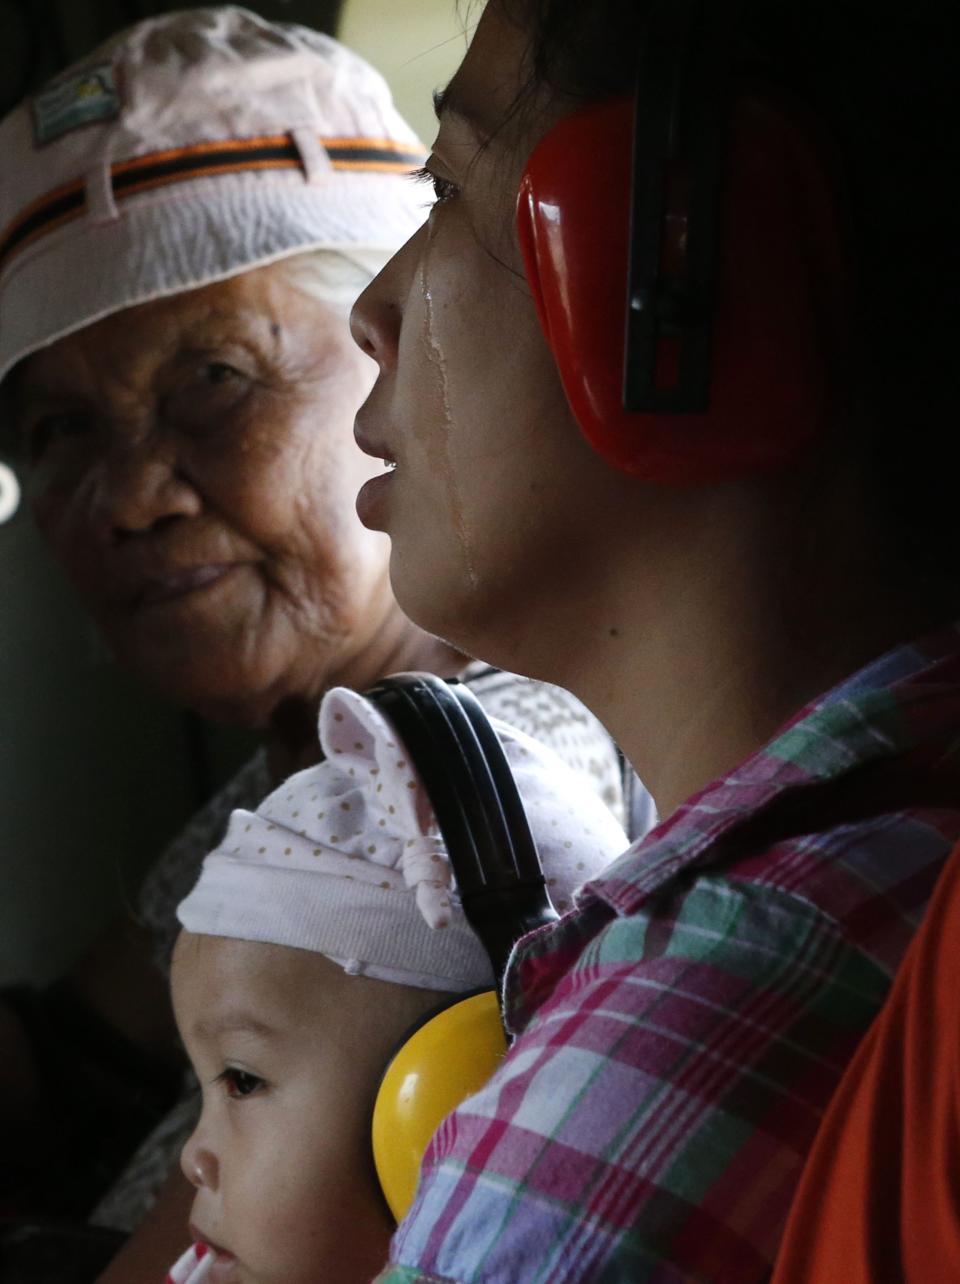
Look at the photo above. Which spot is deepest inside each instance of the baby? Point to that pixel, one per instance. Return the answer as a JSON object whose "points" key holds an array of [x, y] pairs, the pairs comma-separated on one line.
{"points": [[321, 929]]}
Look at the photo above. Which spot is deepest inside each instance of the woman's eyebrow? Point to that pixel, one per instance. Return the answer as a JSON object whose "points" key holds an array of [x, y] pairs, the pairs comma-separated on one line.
{"points": [[443, 101], [449, 101]]}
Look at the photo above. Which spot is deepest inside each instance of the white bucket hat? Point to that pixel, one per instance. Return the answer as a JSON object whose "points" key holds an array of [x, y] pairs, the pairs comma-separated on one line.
{"points": [[191, 147], [345, 859]]}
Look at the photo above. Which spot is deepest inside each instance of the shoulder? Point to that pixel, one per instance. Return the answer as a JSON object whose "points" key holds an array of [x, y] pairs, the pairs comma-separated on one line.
{"points": [[868, 876], [872, 878]]}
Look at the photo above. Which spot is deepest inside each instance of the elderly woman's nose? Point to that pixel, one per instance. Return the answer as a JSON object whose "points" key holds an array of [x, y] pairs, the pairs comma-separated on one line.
{"points": [[199, 1164], [136, 487]]}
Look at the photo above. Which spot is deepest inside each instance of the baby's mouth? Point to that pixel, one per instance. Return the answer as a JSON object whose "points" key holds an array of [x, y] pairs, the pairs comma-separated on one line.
{"points": [[223, 1264], [225, 1268]]}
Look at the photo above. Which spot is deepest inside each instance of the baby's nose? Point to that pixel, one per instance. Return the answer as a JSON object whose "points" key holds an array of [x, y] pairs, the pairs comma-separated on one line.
{"points": [[199, 1164]]}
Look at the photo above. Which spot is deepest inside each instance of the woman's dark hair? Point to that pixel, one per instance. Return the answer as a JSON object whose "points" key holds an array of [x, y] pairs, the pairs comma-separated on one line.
{"points": [[884, 81]]}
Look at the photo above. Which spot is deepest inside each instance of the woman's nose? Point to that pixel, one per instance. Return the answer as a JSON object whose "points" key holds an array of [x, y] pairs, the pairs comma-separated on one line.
{"points": [[199, 1164], [377, 315], [136, 487], [375, 328]]}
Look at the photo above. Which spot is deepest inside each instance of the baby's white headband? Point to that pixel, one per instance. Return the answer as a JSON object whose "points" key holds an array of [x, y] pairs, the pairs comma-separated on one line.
{"points": [[346, 859]]}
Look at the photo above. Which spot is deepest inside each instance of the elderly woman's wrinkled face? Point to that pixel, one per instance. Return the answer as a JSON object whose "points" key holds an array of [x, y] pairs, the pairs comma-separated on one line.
{"points": [[194, 470]]}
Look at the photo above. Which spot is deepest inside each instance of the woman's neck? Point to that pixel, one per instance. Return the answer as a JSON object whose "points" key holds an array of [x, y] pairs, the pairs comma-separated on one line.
{"points": [[693, 650]]}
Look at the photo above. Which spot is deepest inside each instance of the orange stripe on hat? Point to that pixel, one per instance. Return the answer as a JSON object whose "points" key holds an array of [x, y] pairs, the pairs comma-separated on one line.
{"points": [[201, 160]]}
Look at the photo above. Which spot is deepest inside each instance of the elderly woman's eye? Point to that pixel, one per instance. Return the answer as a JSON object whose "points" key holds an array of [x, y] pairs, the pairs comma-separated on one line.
{"points": [[203, 393], [46, 431], [219, 372], [239, 1083]]}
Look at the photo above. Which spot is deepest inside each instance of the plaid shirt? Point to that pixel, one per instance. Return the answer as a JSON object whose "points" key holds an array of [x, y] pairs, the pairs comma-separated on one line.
{"points": [[681, 1031]]}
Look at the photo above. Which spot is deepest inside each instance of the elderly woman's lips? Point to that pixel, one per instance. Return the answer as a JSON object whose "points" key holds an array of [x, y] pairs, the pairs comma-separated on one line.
{"points": [[174, 584]]}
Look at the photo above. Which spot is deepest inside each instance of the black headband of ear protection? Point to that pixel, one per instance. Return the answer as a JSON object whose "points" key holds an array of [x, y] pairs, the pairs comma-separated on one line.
{"points": [[479, 810], [681, 102]]}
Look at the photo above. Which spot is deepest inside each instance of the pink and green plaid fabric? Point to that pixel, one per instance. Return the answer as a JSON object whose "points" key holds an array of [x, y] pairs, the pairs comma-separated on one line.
{"points": [[680, 1032]]}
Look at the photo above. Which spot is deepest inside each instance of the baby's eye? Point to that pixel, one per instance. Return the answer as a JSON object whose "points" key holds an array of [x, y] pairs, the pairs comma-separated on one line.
{"points": [[239, 1083]]}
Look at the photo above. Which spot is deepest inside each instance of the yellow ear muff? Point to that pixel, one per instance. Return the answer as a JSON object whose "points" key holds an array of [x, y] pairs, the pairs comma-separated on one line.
{"points": [[438, 1065]]}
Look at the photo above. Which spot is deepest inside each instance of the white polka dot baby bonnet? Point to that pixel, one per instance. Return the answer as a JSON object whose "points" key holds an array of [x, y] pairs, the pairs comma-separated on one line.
{"points": [[346, 858]]}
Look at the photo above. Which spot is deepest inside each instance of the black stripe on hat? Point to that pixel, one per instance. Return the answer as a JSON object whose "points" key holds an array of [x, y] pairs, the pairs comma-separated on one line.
{"points": [[128, 178]]}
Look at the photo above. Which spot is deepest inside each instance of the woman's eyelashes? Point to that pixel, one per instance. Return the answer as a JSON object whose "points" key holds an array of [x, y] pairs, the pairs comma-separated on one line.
{"points": [[443, 188], [239, 1083]]}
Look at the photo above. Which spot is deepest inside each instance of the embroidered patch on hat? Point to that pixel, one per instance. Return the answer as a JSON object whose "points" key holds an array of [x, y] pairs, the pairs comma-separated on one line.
{"points": [[83, 99]]}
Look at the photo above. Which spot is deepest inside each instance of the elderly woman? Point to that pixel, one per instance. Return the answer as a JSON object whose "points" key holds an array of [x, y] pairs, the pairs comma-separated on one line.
{"points": [[186, 218]]}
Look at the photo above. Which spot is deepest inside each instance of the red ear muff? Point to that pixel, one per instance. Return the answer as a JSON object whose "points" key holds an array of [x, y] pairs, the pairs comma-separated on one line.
{"points": [[778, 300]]}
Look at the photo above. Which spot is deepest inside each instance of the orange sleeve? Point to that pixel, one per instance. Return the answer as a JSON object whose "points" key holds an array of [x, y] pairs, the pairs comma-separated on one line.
{"points": [[879, 1200]]}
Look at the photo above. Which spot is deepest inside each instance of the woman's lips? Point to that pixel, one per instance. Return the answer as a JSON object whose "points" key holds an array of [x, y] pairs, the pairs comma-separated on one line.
{"points": [[367, 440], [372, 495], [371, 500]]}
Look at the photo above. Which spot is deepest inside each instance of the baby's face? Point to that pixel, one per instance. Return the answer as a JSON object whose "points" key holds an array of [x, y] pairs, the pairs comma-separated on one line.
{"points": [[289, 1052]]}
